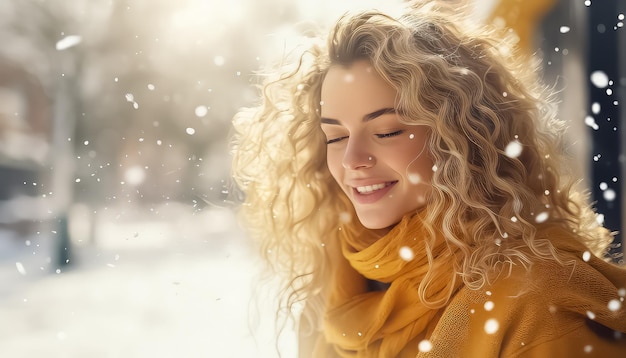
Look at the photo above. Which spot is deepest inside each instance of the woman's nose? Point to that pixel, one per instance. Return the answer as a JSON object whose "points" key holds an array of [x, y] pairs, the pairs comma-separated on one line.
{"points": [[357, 155]]}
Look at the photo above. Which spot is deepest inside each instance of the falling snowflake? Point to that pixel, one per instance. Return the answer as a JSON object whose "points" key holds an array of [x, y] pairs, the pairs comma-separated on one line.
{"points": [[609, 195], [425, 346], [596, 108], [541, 217], [201, 111], [591, 122], [20, 268], [492, 326], [599, 79], [406, 253], [489, 305], [68, 41], [414, 178], [614, 305], [513, 149]]}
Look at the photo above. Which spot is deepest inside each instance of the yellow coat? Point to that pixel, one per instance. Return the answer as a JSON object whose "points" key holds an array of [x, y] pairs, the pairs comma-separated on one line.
{"points": [[543, 309], [575, 310]]}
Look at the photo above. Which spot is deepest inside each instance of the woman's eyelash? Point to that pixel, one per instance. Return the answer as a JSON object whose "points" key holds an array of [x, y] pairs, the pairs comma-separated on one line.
{"points": [[392, 134], [335, 140], [381, 136]]}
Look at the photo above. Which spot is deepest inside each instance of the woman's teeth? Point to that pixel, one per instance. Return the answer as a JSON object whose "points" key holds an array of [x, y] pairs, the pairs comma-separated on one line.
{"points": [[370, 188]]}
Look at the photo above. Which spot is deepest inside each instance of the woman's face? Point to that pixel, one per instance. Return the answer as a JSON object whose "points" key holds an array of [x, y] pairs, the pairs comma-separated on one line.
{"points": [[381, 164]]}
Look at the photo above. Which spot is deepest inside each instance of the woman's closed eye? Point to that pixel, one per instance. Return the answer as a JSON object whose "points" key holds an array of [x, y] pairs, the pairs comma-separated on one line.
{"points": [[388, 135], [335, 140], [380, 136]]}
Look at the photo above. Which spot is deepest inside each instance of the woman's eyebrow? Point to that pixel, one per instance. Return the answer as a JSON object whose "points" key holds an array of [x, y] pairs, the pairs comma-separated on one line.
{"points": [[366, 118], [330, 121], [378, 113]]}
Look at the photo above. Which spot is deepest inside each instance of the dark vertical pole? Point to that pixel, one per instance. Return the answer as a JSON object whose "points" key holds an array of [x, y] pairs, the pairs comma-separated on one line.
{"points": [[604, 107], [621, 42]]}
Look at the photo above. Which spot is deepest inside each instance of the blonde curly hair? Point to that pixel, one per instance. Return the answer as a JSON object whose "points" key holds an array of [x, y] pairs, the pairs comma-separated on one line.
{"points": [[476, 95]]}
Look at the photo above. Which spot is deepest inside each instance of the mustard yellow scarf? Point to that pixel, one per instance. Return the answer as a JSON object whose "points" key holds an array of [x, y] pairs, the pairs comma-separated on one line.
{"points": [[390, 323]]}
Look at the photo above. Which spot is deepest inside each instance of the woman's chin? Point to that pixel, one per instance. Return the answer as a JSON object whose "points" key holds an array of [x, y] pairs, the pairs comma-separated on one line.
{"points": [[377, 223]]}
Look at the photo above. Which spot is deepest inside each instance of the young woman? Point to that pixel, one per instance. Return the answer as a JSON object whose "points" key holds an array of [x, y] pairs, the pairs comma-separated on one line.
{"points": [[407, 179]]}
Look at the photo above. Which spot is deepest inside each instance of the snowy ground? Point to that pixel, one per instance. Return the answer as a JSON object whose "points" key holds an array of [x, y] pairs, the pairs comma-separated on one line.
{"points": [[179, 287]]}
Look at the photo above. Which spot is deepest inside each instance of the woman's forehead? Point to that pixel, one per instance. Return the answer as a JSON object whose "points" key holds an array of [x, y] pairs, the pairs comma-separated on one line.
{"points": [[357, 87]]}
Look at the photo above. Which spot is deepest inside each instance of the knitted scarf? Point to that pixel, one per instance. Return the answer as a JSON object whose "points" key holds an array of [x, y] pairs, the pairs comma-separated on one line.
{"points": [[359, 322], [387, 323]]}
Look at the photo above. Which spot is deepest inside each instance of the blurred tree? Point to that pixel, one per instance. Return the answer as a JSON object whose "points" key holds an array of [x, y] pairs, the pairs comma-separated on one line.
{"points": [[142, 92]]}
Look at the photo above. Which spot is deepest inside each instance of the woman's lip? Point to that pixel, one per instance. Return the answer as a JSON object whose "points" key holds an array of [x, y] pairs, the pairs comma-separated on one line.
{"points": [[372, 197]]}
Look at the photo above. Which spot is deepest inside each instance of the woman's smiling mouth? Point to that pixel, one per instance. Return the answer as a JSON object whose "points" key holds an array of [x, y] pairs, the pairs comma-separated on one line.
{"points": [[372, 188], [369, 194]]}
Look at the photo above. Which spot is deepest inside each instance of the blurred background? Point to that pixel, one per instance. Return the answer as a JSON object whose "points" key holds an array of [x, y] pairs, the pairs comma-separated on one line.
{"points": [[117, 234]]}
